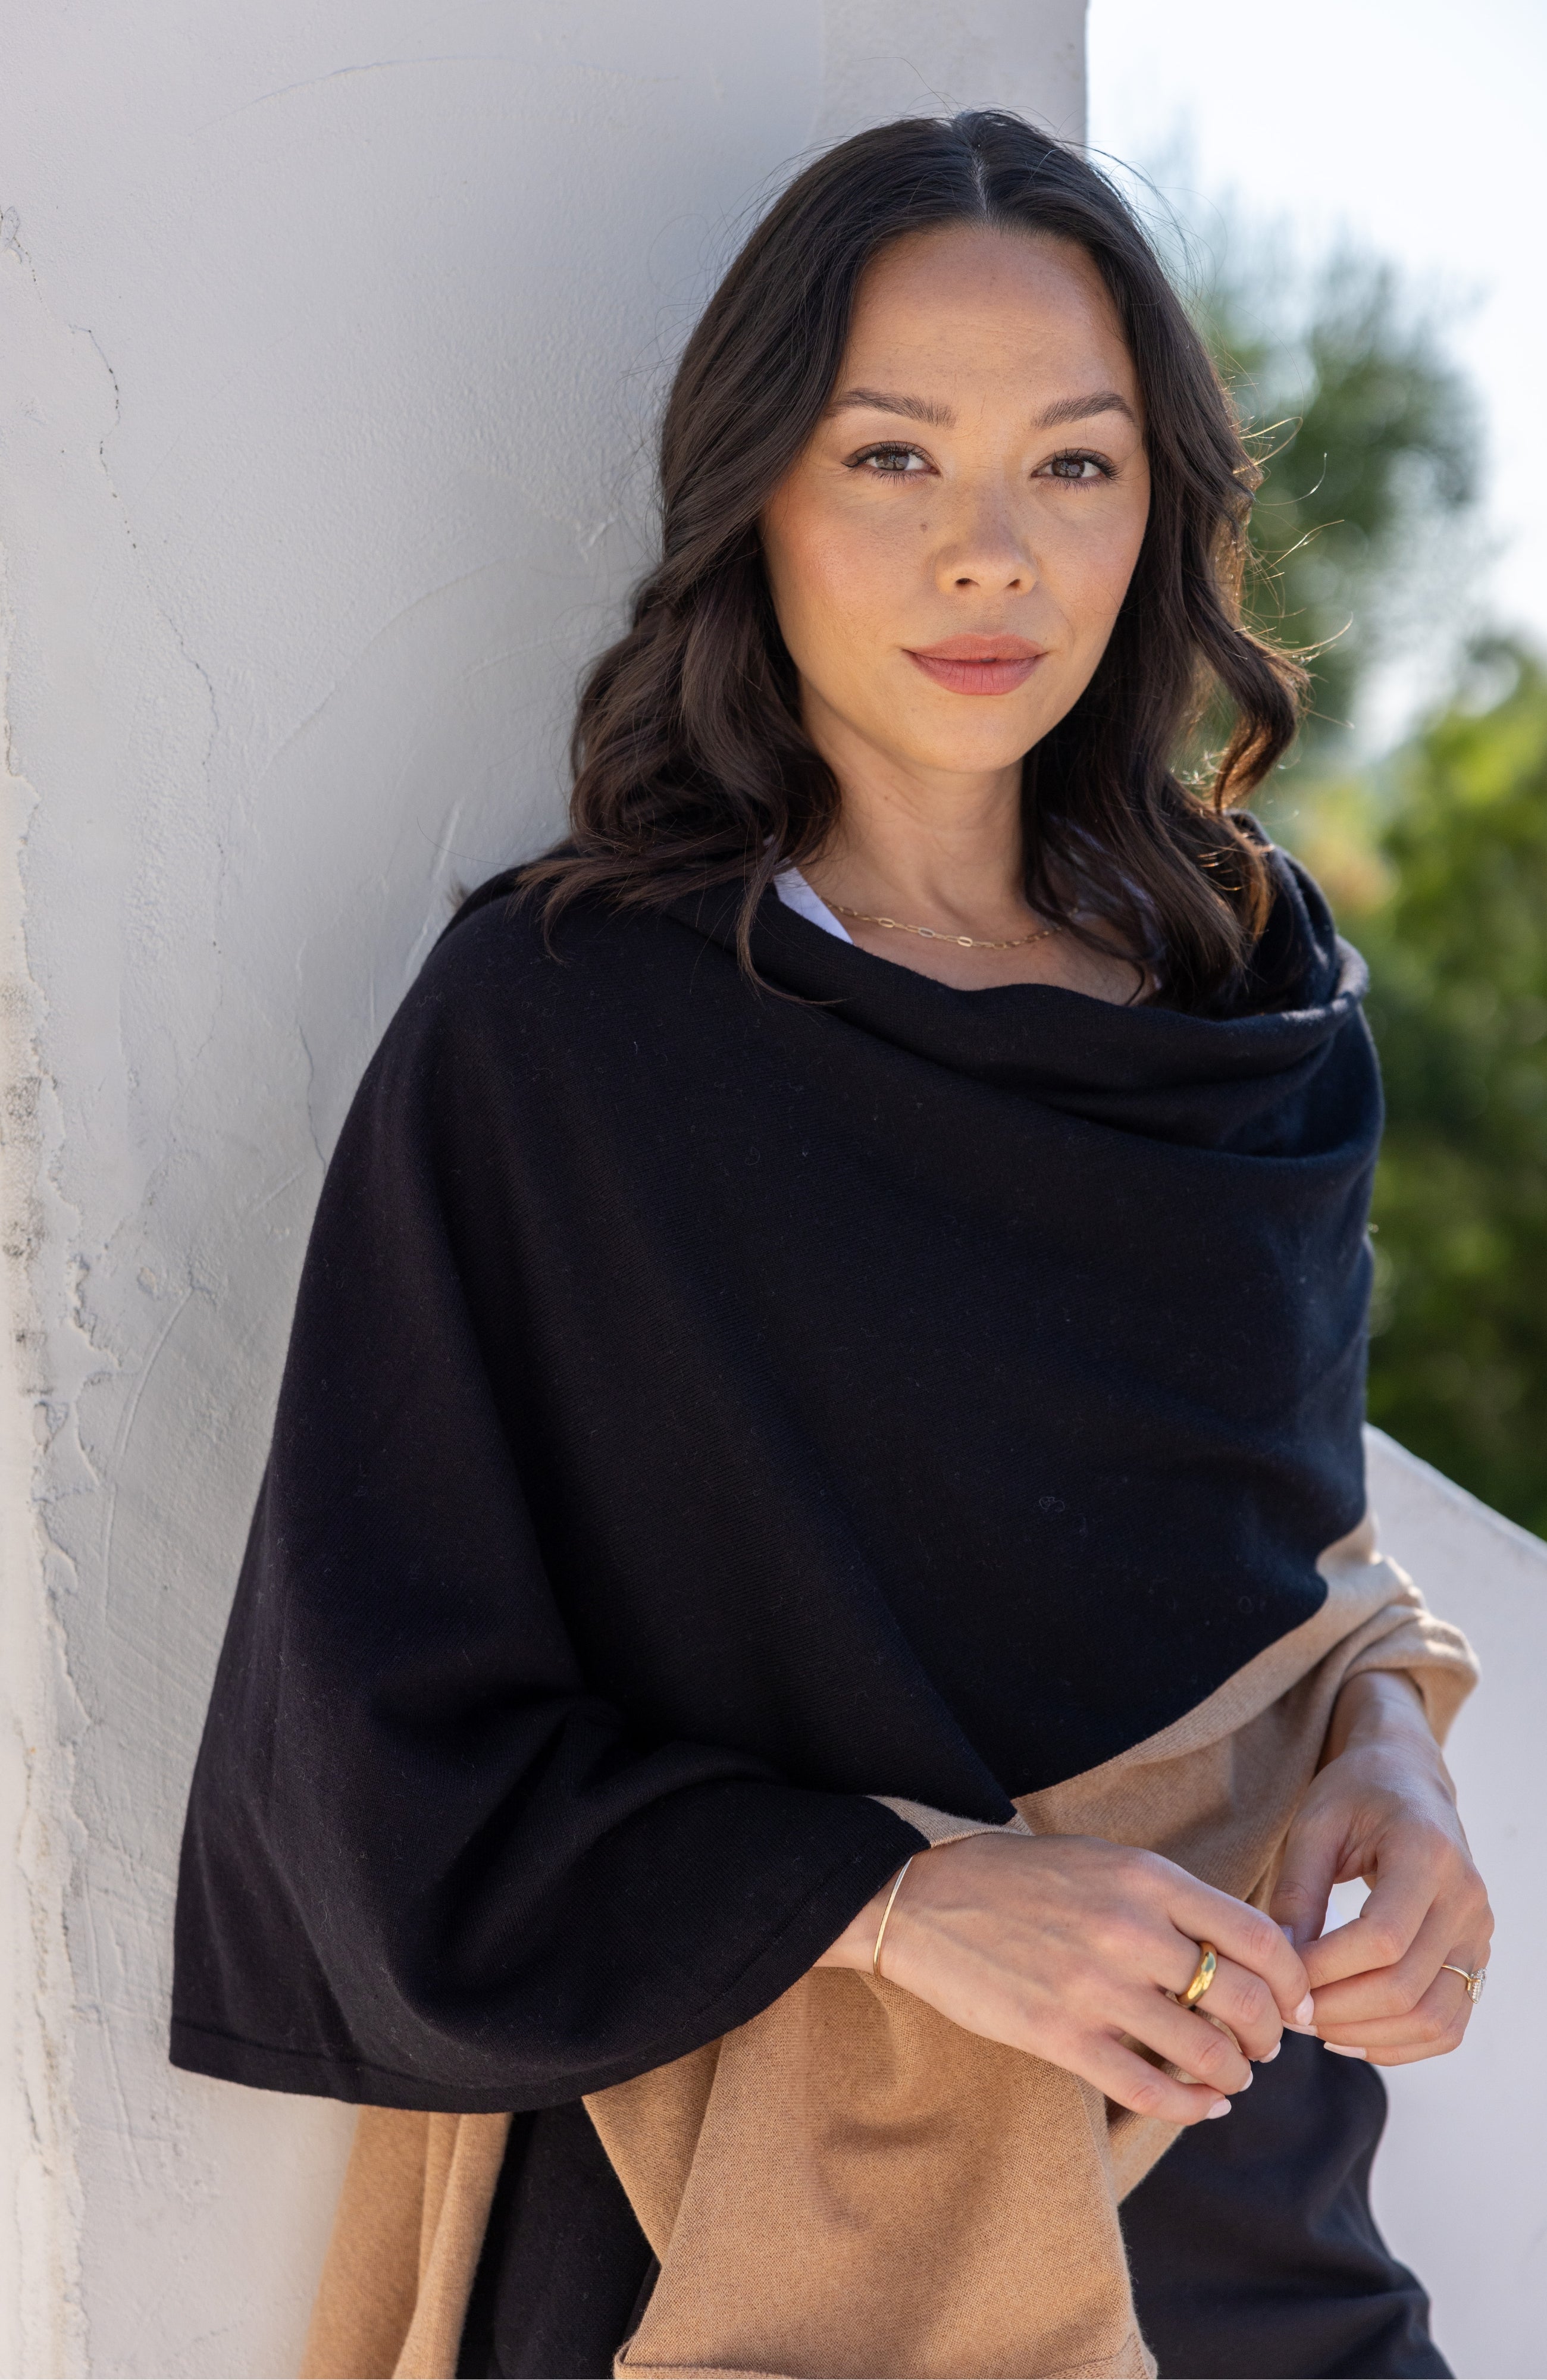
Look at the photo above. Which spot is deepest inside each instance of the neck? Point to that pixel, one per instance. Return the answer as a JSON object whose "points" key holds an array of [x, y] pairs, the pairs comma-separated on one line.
{"points": [[937, 847]]}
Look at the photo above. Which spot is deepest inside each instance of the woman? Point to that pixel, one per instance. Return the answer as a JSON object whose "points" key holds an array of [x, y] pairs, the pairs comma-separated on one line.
{"points": [[811, 1650]]}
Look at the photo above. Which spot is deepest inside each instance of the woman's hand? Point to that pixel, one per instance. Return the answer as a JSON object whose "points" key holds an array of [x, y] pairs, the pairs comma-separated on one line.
{"points": [[1061, 1945], [1383, 1807]]}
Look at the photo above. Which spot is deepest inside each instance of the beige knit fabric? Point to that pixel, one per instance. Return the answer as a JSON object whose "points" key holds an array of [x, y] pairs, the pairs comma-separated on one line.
{"points": [[849, 2184], [410, 2222]]}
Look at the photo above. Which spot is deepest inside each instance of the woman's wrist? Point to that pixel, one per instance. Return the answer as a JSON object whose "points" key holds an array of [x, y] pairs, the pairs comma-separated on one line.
{"points": [[1380, 1706], [855, 1945]]}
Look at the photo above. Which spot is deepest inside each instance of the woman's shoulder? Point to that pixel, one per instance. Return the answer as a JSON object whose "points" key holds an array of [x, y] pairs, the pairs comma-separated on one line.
{"points": [[503, 973], [1300, 961], [504, 1021], [501, 941], [1308, 960], [482, 965]]}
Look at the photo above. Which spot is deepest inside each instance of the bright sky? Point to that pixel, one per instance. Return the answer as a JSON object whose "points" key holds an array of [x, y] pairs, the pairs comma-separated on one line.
{"points": [[1420, 128]]}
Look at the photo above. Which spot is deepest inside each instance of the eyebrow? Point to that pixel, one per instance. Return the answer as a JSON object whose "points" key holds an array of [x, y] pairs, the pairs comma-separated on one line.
{"points": [[876, 400], [940, 417], [1083, 409]]}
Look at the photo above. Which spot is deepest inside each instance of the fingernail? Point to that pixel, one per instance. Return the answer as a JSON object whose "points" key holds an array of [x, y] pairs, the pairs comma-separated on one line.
{"points": [[1250, 2079], [1271, 2053], [1306, 2011], [1220, 2107], [1343, 2050], [1288, 1933]]}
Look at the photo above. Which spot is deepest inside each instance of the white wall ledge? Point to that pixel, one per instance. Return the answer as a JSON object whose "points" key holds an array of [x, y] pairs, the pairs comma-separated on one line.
{"points": [[1459, 2186]]}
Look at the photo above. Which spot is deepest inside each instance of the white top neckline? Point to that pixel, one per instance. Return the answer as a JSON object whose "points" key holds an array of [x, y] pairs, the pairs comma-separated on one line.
{"points": [[797, 894]]}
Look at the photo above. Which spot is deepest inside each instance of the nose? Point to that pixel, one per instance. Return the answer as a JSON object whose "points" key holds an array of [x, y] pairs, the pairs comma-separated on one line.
{"points": [[986, 551]]}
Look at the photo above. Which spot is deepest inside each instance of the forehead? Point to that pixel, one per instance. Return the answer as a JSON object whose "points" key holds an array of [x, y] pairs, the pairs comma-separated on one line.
{"points": [[978, 304]]}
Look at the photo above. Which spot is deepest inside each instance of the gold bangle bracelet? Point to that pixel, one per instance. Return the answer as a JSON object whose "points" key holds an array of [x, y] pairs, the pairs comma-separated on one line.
{"points": [[890, 1902]]}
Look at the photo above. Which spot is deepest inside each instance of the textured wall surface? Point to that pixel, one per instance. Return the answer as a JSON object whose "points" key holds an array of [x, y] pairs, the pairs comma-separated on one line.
{"points": [[1459, 2186], [331, 334]]}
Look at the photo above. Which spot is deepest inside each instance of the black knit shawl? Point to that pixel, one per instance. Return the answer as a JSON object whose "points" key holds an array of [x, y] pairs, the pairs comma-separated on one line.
{"points": [[708, 1409]]}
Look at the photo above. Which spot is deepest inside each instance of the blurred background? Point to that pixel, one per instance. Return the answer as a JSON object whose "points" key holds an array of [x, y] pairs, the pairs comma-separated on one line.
{"points": [[1351, 199]]}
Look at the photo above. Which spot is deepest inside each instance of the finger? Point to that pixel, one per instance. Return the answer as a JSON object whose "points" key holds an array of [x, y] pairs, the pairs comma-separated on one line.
{"points": [[1206, 2052], [1385, 1928], [1312, 1855], [1412, 2057], [1392, 1991], [1461, 1916], [1236, 1997], [1239, 1932], [1133, 2083], [1436, 2019]]}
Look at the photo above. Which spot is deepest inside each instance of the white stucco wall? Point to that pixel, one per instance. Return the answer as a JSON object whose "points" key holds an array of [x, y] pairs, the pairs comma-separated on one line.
{"points": [[331, 329], [1459, 2185]]}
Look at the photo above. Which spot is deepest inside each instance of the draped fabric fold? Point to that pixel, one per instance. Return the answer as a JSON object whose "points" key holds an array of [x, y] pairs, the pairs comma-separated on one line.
{"points": [[720, 1422], [850, 2184], [405, 2245]]}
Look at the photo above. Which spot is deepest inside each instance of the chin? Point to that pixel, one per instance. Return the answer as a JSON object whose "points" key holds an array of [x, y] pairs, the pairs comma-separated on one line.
{"points": [[959, 745], [971, 732]]}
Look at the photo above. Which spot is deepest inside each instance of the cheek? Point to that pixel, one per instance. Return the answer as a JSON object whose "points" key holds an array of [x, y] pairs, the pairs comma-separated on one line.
{"points": [[833, 576], [832, 579], [1098, 567], [1086, 570]]}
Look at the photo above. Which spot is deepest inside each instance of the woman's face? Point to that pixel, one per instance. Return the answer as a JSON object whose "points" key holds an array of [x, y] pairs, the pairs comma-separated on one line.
{"points": [[948, 555]]}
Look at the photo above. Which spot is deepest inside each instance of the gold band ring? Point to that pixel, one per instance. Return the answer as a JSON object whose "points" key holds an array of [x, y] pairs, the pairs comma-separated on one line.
{"points": [[1203, 1974], [1473, 1977]]}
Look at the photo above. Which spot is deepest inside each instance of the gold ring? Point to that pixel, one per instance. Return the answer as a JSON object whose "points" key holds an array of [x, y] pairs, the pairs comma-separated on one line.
{"points": [[1473, 1977], [1203, 1974]]}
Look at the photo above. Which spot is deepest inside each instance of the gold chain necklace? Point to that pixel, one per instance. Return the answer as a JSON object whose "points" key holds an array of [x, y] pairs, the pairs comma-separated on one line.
{"points": [[930, 934]]}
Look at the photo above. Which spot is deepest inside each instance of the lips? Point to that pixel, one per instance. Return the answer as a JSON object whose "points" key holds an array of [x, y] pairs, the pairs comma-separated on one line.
{"points": [[978, 664]]}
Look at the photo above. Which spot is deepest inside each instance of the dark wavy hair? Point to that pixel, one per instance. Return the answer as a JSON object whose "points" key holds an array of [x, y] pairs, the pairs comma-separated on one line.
{"points": [[692, 768]]}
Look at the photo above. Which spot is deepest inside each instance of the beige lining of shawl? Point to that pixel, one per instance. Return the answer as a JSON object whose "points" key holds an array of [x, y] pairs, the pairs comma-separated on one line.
{"points": [[849, 2184]]}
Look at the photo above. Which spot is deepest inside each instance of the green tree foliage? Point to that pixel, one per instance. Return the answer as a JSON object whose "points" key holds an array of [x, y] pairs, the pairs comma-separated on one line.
{"points": [[1367, 438], [1435, 858], [1458, 959]]}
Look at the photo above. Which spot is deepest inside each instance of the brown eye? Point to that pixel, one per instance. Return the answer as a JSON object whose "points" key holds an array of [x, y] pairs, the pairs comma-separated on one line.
{"points": [[1076, 468], [890, 462]]}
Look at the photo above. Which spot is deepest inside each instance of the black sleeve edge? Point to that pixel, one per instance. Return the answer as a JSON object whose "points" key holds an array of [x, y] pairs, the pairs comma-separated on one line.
{"points": [[324, 2075]]}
